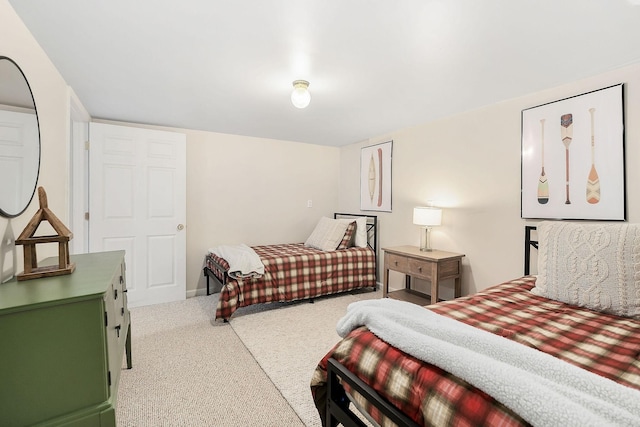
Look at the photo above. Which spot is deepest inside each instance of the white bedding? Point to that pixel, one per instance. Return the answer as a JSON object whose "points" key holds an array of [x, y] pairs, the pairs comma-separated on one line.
{"points": [[243, 261], [542, 389]]}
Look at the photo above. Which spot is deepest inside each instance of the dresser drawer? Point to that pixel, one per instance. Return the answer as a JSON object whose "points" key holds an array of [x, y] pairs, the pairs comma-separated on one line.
{"points": [[419, 268], [397, 262]]}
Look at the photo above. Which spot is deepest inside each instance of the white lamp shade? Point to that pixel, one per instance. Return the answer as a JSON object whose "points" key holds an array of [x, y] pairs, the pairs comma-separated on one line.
{"points": [[427, 216], [300, 97]]}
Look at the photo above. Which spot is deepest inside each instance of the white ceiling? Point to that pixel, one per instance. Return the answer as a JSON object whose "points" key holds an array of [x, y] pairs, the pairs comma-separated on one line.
{"points": [[375, 66]]}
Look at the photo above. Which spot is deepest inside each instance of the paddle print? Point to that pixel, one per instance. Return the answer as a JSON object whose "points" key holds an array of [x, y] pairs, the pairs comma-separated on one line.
{"points": [[543, 184], [380, 175], [372, 178], [566, 133], [593, 181]]}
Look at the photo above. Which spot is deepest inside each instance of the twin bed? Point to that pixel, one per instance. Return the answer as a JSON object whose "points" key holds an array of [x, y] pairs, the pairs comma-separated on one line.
{"points": [[339, 256], [571, 354]]}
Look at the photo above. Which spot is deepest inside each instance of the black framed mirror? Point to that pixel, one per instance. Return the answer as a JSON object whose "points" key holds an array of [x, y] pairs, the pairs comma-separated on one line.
{"points": [[19, 140]]}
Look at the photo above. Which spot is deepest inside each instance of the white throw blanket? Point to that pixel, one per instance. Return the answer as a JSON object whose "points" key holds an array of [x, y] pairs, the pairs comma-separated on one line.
{"points": [[243, 261], [542, 389]]}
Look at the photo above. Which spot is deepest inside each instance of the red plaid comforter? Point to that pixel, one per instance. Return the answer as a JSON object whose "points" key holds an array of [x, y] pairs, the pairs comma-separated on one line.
{"points": [[605, 344], [293, 272]]}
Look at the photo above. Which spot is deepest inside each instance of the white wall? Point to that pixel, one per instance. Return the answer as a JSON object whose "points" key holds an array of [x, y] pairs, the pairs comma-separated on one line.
{"points": [[470, 165], [52, 102]]}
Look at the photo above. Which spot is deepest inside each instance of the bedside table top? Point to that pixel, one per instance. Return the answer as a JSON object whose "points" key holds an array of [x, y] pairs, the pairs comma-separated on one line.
{"points": [[415, 251]]}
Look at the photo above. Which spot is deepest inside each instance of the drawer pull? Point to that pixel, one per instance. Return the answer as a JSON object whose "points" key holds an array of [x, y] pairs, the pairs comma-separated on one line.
{"points": [[396, 262], [420, 269], [115, 294], [118, 330]]}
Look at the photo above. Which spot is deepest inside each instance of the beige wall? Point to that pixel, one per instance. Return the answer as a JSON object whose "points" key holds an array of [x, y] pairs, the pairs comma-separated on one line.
{"points": [[52, 102], [470, 165], [252, 190]]}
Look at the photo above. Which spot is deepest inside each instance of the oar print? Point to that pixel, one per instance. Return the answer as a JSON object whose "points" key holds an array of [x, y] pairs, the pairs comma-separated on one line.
{"points": [[372, 178], [566, 132], [593, 181], [380, 176], [543, 185]]}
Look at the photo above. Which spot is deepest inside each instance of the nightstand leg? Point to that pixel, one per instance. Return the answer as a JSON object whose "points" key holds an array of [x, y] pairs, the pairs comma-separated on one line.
{"points": [[434, 291]]}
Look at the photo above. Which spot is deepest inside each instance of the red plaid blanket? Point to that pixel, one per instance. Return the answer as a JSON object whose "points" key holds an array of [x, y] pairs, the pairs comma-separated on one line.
{"points": [[605, 344], [294, 272]]}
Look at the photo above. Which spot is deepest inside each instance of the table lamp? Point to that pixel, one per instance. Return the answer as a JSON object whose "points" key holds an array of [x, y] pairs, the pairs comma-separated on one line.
{"points": [[427, 217]]}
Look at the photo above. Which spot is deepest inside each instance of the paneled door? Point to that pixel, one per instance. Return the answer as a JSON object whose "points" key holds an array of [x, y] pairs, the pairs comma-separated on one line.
{"points": [[137, 202]]}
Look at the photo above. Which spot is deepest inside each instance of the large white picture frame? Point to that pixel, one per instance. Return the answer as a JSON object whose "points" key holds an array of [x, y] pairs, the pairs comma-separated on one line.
{"points": [[375, 177], [573, 158]]}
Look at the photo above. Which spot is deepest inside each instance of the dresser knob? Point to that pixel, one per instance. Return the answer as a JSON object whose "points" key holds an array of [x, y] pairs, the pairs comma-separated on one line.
{"points": [[420, 269], [396, 262]]}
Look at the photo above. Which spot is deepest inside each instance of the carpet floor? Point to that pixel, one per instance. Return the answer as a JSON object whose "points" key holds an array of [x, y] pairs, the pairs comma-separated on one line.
{"points": [[189, 370]]}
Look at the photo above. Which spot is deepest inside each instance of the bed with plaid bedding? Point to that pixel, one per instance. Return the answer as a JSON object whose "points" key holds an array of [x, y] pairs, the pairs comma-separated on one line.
{"points": [[296, 272], [605, 344]]}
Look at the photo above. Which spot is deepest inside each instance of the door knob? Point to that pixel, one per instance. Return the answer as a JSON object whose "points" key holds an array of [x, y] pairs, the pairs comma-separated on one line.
{"points": [[180, 227]]}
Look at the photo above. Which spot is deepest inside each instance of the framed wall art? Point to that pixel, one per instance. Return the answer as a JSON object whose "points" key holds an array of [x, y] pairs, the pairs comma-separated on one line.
{"points": [[573, 158], [375, 177]]}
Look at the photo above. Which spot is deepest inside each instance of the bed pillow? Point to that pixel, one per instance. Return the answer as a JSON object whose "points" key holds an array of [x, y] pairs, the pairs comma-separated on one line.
{"points": [[361, 239], [349, 236], [327, 235], [590, 265]]}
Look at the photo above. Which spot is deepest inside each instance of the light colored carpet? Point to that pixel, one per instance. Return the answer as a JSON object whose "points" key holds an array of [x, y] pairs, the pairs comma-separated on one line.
{"points": [[289, 342], [189, 370]]}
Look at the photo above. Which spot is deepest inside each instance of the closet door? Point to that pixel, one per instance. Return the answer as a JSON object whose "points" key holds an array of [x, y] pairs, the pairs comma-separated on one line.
{"points": [[137, 202]]}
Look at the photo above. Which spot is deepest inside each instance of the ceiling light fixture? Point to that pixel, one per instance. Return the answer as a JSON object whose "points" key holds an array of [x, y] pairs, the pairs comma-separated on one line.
{"points": [[300, 97]]}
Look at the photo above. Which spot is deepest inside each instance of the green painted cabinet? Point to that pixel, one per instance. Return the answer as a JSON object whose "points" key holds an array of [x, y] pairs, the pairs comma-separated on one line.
{"points": [[62, 342]]}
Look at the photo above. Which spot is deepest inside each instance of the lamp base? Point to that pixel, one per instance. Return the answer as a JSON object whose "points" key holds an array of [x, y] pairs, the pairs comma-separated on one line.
{"points": [[425, 240]]}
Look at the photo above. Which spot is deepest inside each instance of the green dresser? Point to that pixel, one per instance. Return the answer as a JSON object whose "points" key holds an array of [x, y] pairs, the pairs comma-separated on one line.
{"points": [[62, 342]]}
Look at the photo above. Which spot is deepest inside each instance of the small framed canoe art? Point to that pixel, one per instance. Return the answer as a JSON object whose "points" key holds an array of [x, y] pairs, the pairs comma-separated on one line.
{"points": [[573, 158], [375, 177]]}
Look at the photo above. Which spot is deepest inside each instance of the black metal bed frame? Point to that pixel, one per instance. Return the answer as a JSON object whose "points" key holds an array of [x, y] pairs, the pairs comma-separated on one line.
{"points": [[372, 242], [528, 244], [337, 409]]}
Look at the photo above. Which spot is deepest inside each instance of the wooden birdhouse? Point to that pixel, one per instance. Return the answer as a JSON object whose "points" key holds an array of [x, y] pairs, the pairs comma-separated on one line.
{"points": [[28, 239]]}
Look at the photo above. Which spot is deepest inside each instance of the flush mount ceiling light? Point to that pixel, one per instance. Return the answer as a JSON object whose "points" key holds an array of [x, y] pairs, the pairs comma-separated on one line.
{"points": [[300, 97]]}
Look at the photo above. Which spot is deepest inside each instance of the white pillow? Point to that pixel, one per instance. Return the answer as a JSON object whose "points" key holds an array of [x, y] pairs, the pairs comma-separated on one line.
{"points": [[590, 265], [327, 235], [361, 239]]}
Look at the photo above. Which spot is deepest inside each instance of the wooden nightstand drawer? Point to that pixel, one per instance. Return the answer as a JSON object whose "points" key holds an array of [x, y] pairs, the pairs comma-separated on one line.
{"points": [[397, 262], [419, 269]]}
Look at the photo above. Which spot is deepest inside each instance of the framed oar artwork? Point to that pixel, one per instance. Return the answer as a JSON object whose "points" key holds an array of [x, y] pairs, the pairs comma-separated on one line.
{"points": [[572, 164], [375, 177]]}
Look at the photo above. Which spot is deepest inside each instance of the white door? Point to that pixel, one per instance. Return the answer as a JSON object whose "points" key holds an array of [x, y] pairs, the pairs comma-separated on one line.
{"points": [[137, 202]]}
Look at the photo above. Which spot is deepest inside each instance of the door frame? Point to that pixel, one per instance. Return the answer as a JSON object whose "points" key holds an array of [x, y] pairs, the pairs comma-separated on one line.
{"points": [[78, 178]]}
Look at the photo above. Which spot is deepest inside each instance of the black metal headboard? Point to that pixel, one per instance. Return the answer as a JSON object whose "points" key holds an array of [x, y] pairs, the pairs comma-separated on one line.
{"points": [[528, 243]]}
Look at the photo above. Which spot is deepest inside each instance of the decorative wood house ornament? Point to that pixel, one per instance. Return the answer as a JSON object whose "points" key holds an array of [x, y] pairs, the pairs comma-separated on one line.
{"points": [[29, 241]]}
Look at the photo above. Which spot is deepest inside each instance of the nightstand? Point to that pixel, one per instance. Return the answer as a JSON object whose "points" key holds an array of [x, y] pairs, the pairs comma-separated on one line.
{"points": [[432, 266]]}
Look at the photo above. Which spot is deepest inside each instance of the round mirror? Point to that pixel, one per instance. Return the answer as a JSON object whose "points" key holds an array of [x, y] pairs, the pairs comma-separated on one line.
{"points": [[19, 140]]}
